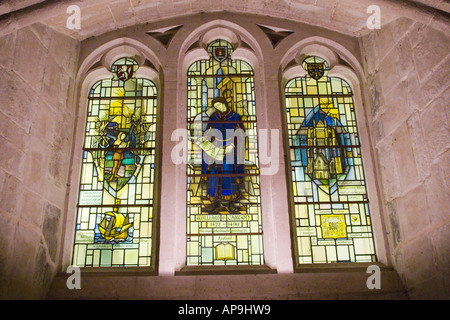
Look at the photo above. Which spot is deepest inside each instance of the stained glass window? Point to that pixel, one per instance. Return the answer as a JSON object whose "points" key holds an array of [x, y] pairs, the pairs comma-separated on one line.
{"points": [[330, 206], [223, 193], [115, 221]]}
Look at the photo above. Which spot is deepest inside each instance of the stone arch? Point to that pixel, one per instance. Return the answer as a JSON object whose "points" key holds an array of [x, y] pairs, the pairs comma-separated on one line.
{"points": [[105, 54], [245, 45], [334, 53]]}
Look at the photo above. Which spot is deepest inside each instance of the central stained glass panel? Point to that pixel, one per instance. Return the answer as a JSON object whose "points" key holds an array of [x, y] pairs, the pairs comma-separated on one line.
{"points": [[223, 191], [115, 220]]}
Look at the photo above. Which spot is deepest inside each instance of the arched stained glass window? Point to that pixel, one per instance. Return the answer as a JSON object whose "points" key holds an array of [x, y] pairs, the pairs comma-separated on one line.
{"points": [[115, 224], [329, 201], [223, 193]]}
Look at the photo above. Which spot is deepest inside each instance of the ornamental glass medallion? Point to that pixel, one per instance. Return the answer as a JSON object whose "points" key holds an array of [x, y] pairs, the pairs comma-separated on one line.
{"points": [[330, 217], [223, 192], [115, 220]]}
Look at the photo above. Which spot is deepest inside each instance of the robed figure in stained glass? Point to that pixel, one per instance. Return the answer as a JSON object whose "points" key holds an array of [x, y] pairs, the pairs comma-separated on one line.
{"points": [[223, 158], [224, 224]]}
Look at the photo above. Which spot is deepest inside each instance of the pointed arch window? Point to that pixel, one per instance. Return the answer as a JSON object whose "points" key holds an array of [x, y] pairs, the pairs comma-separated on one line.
{"points": [[224, 224], [115, 225], [328, 196]]}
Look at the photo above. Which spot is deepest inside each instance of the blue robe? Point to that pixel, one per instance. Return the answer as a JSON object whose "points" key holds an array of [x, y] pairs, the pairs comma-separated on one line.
{"points": [[220, 187]]}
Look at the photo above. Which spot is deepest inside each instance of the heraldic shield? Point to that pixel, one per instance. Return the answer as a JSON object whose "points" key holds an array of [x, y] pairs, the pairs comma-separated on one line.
{"points": [[125, 72], [326, 160], [316, 70], [122, 134], [120, 143], [220, 53]]}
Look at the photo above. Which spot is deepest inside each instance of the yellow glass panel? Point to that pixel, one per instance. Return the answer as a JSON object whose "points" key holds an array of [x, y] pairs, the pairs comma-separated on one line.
{"points": [[333, 226]]}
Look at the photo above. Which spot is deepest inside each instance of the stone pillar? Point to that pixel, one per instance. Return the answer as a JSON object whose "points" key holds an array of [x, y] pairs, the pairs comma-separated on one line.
{"points": [[37, 67]]}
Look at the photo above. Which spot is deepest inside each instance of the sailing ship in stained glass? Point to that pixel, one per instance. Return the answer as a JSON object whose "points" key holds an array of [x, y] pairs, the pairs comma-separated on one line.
{"points": [[115, 219], [224, 224], [329, 195]]}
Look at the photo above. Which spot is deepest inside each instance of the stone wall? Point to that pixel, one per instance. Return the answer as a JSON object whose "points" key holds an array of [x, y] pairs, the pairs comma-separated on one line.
{"points": [[407, 65], [37, 67]]}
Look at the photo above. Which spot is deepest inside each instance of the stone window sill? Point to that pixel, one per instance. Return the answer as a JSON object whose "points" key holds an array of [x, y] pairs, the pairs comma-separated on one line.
{"points": [[224, 270], [123, 271], [339, 267]]}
